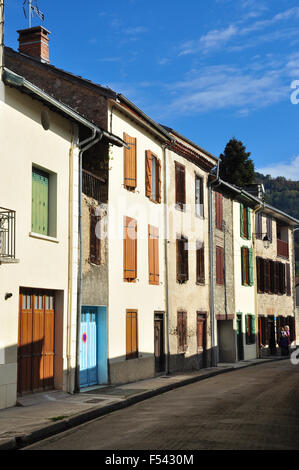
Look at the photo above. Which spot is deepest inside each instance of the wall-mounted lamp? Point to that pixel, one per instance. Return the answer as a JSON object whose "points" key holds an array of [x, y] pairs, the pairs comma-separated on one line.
{"points": [[266, 240], [8, 295]]}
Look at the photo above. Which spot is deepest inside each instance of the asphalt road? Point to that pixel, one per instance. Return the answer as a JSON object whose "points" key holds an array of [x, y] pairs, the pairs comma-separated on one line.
{"points": [[252, 408]]}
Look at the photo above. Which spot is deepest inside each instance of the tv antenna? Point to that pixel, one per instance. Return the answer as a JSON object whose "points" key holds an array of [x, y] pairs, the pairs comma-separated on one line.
{"points": [[32, 9]]}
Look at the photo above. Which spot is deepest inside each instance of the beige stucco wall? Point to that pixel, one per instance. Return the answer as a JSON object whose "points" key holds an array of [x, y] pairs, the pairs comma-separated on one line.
{"points": [[42, 263], [189, 296], [139, 295], [244, 295]]}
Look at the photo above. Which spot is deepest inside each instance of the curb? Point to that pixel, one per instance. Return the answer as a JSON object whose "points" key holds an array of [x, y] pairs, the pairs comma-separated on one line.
{"points": [[19, 442]]}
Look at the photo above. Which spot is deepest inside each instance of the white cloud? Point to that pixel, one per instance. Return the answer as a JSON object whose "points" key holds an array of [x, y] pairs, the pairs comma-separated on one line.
{"points": [[289, 170], [212, 40]]}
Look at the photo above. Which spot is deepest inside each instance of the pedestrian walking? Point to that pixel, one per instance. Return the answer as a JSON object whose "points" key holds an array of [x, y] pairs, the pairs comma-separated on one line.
{"points": [[284, 342]]}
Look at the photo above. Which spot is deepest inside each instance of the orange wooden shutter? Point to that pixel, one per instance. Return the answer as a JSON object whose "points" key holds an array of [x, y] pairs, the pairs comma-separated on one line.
{"points": [[148, 173], [159, 195], [130, 249], [130, 163], [153, 254], [131, 334]]}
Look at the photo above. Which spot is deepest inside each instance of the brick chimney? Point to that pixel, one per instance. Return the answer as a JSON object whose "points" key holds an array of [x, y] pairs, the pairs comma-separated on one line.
{"points": [[35, 42]]}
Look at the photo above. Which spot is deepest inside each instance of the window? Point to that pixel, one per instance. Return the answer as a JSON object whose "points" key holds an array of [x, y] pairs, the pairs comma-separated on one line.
{"points": [[282, 278], [182, 259], [153, 254], [131, 334], [40, 202], [94, 241], [250, 329], [180, 191], [200, 263], [219, 210], [245, 222], [152, 177], [182, 331], [269, 228], [219, 265], [259, 226], [199, 207], [247, 266], [130, 249], [44, 202], [130, 163]]}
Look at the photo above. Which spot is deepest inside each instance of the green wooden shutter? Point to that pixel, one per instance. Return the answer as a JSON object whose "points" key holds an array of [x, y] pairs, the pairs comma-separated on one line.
{"points": [[247, 328], [248, 223], [40, 202], [253, 324], [243, 265], [250, 264], [241, 220]]}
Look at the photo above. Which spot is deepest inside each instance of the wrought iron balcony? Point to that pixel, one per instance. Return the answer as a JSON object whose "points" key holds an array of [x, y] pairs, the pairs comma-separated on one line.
{"points": [[7, 235]]}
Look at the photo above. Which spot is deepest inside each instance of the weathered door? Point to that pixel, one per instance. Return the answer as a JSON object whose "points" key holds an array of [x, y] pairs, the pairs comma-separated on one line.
{"points": [[159, 344], [201, 338], [36, 341], [88, 347]]}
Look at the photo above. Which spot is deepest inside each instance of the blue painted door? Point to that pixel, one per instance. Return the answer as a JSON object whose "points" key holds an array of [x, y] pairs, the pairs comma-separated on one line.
{"points": [[89, 347]]}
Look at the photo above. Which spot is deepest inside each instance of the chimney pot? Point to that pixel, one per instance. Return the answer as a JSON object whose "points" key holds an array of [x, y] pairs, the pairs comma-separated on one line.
{"points": [[35, 42]]}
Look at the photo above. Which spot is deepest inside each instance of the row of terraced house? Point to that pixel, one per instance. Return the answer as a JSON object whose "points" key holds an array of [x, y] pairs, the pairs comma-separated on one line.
{"points": [[123, 255]]}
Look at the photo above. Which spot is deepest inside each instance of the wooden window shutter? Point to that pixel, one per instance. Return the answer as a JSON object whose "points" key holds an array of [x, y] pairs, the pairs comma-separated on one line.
{"points": [[182, 259], [130, 249], [219, 210], [182, 331], [219, 265], [200, 264], [180, 190], [131, 334], [159, 188], [148, 173], [248, 223], [276, 277], [130, 162], [266, 276], [241, 220], [153, 254], [288, 279], [40, 202], [243, 265], [269, 228], [250, 266], [271, 274], [94, 244]]}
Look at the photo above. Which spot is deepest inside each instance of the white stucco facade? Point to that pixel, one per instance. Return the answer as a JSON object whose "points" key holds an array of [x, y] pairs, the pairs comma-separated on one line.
{"points": [[43, 262]]}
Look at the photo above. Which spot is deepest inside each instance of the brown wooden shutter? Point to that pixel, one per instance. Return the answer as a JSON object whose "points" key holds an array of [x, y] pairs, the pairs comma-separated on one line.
{"points": [[182, 331], [159, 186], [148, 173], [130, 162], [276, 277], [269, 228], [94, 242], [219, 210], [288, 279], [219, 265], [200, 264], [131, 334], [182, 259], [180, 189], [153, 254], [130, 249]]}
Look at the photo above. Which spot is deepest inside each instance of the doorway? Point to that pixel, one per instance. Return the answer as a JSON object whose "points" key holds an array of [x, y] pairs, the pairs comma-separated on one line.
{"points": [[159, 343]]}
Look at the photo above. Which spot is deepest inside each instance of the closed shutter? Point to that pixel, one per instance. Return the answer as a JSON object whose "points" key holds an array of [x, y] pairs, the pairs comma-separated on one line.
{"points": [[131, 334], [159, 189], [200, 263], [130, 249], [248, 223], [243, 265], [182, 259], [148, 173], [180, 185], [266, 275], [219, 265], [182, 331], [241, 220], [130, 162], [288, 279], [94, 245], [40, 202], [271, 274], [219, 210], [276, 277], [250, 265], [269, 228], [153, 254], [247, 328]]}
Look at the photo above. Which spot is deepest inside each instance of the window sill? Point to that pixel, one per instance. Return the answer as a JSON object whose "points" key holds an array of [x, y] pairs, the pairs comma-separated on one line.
{"points": [[40, 236]]}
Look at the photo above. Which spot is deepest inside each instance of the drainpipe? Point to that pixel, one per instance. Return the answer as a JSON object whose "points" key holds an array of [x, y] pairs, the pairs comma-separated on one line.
{"points": [[254, 211], [166, 261], [211, 260], [84, 145]]}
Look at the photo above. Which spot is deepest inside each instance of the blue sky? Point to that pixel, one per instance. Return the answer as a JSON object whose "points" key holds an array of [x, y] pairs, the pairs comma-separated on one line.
{"points": [[211, 70]]}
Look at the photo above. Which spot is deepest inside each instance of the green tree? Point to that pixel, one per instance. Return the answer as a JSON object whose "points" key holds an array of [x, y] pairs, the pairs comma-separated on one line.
{"points": [[235, 165]]}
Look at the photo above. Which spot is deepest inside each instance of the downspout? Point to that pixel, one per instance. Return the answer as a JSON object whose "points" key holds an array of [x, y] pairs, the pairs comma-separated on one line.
{"points": [[254, 211], [84, 145], [166, 261], [211, 260]]}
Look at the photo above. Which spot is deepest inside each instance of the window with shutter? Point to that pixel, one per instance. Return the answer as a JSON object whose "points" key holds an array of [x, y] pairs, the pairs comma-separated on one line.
{"points": [[131, 334], [200, 263], [247, 266], [130, 162], [269, 228], [94, 244], [219, 211], [40, 201], [288, 279], [182, 331], [153, 183], [199, 206], [258, 226], [180, 192], [219, 265], [182, 259], [153, 254], [130, 249]]}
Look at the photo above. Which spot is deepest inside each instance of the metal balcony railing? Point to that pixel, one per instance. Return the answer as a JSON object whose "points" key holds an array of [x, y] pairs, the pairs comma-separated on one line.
{"points": [[7, 234], [282, 248]]}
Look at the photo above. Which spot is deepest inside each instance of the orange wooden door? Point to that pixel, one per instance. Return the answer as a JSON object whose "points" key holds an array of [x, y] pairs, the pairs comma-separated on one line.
{"points": [[36, 341]]}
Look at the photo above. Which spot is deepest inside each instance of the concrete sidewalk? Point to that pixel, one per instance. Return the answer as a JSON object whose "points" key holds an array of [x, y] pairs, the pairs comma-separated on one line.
{"points": [[41, 415]]}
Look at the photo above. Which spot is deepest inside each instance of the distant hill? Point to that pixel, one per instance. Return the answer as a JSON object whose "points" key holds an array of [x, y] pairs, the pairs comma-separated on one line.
{"points": [[283, 194]]}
